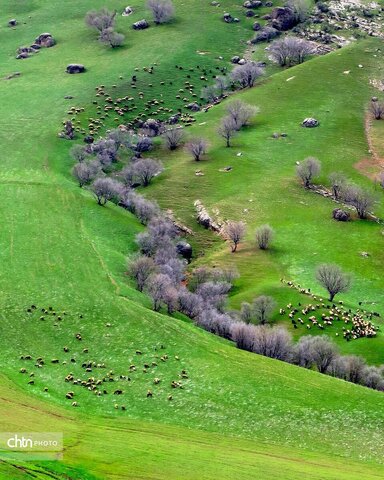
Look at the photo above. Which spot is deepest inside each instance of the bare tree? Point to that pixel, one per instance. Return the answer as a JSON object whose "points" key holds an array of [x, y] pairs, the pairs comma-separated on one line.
{"points": [[243, 335], [273, 342], [105, 189], [173, 137], [241, 113], [85, 172], [377, 109], [333, 279], [190, 303], [144, 209], [227, 129], [143, 171], [157, 286], [111, 38], [171, 299], [262, 308], [140, 269], [214, 293], [221, 85], [246, 75], [315, 350], [308, 170], [290, 50], [338, 182], [197, 147], [79, 153], [246, 312], [361, 199], [323, 352], [264, 235], [162, 10], [234, 232], [210, 93], [100, 19]]}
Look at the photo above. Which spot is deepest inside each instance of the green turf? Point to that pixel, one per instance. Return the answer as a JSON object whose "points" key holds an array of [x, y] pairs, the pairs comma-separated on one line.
{"points": [[60, 249]]}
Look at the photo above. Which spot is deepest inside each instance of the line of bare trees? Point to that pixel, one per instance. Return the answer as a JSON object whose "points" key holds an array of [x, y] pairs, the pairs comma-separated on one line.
{"points": [[361, 199], [160, 272]]}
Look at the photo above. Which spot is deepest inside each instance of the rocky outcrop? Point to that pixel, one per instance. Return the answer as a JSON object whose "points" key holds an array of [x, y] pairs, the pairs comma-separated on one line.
{"points": [[204, 219], [283, 18]]}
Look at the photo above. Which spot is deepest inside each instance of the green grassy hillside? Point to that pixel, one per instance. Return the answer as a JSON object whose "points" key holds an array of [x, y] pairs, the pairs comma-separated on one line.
{"points": [[60, 250]]}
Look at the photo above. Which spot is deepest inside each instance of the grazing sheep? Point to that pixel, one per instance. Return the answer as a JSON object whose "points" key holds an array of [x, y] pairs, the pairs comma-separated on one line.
{"points": [[75, 404], [23, 370], [118, 392], [149, 394], [156, 381], [54, 360]]}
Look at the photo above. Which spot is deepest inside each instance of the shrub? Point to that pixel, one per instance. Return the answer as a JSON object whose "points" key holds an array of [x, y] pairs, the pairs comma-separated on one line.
{"points": [[111, 38], [162, 10], [264, 236]]}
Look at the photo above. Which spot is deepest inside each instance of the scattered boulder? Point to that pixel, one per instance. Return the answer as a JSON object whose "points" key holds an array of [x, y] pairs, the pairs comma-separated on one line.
{"points": [[22, 55], [242, 61], [252, 4], [266, 34], [185, 250], [12, 75], [256, 26], [227, 17], [35, 46], [45, 40], [75, 68], [310, 123], [140, 25], [340, 215], [88, 139], [269, 4], [283, 18], [194, 107], [235, 59], [249, 13], [127, 11], [12, 22]]}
